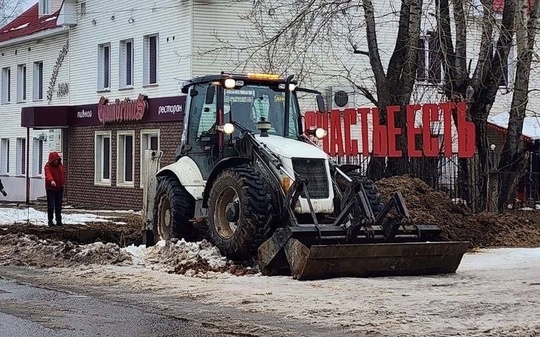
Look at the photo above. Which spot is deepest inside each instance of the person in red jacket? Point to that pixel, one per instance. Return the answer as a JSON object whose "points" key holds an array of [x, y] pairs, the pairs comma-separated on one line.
{"points": [[55, 179]]}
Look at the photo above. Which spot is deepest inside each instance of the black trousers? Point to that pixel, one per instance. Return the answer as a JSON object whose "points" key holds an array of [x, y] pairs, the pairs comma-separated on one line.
{"points": [[54, 205]]}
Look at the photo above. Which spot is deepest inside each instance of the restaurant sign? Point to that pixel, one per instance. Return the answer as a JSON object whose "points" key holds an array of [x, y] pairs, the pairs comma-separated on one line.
{"points": [[122, 111]]}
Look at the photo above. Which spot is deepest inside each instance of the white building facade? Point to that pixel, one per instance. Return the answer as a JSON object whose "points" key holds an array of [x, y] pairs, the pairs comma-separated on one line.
{"points": [[32, 49]]}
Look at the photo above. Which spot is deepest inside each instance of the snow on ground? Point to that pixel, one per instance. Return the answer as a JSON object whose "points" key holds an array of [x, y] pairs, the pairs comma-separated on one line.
{"points": [[9, 215], [495, 292]]}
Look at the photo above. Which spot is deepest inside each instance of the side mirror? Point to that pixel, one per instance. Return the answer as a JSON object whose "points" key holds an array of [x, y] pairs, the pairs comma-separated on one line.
{"points": [[210, 93], [193, 93], [320, 103]]}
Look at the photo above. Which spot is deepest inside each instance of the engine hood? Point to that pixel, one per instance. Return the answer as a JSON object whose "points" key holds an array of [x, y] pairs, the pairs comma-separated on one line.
{"points": [[291, 148]]}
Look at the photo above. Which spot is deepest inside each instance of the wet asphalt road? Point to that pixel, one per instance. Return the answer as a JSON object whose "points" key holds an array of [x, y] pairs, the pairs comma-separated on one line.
{"points": [[30, 312]]}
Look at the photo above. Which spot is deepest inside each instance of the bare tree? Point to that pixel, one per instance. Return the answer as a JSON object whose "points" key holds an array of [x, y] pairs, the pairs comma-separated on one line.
{"points": [[282, 41], [480, 88], [9, 10], [514, 158]]}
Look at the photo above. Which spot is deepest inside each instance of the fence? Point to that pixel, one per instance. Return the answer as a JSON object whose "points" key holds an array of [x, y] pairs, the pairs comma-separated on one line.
{"points": [[459, 179]]}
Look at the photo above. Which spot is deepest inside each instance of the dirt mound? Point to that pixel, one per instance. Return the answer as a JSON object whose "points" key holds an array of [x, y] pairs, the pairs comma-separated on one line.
{"points": [[457, 221], [29, 250]]}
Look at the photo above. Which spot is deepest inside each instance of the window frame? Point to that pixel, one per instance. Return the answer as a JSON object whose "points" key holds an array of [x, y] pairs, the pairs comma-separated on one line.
{"points": [[126, 63], [4, 157], [44, 7], [6, 85], [121, 157], [147, 60], [144, 135], [430, 61], [22, 85], [20, 156], [37, 90], [104, 67], [101, 181], [37, 156]]}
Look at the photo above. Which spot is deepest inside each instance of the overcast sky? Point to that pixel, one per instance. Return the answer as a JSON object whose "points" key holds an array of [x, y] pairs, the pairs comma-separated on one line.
{"points": [[27, 4]]}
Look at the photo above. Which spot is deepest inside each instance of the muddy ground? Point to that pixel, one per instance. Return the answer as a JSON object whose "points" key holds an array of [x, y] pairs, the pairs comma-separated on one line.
{"points": [[512, 229]]}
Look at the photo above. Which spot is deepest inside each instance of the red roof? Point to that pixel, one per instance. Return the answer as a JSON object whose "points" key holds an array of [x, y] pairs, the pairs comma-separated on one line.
{"points": [[28, 23]]}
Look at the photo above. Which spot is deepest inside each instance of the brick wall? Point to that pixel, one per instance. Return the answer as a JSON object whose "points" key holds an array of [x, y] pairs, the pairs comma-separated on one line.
{"points": [[81, 192]]}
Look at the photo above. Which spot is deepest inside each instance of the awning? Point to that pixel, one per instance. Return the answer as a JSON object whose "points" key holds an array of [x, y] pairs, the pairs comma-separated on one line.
{"points": [[46, 117]]}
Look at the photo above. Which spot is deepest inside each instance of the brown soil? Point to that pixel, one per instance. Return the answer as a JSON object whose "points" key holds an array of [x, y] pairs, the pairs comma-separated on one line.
{"points": [[516, 229], [106, 232]]}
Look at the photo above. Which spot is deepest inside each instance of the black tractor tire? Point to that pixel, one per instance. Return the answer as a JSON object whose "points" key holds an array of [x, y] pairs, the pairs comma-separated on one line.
{"points": [[372, 192], [245, 192], [173, 209]]}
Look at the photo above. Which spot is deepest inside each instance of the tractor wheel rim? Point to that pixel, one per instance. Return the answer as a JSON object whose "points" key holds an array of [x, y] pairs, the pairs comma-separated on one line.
{"points": [[164, 224], [224, 227]]}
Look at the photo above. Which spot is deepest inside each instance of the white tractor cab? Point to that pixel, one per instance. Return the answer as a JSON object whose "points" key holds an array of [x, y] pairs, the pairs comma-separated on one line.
{"points": [[248, 179]]}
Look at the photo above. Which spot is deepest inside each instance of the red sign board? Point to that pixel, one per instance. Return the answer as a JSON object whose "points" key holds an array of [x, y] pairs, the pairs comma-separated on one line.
{"points": [[340, 141], [122, 111]]}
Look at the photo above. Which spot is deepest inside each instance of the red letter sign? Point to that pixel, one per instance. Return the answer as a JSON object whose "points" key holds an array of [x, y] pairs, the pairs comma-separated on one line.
{"points": [[349, 118], [392, 131], [466, 133], [430, 113], [380, 147], [412, 131]]}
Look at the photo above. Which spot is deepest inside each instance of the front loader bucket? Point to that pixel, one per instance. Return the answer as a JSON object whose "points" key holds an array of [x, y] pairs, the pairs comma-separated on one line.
{"points": [[359, 260], [379, 259]]}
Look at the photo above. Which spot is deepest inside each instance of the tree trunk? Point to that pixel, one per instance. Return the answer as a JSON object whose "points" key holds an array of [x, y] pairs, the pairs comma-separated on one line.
{"points": [[513, 156]]}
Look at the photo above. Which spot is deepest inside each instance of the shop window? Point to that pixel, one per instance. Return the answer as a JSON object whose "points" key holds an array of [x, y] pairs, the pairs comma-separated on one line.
{"points": [[6, 85], [37, 157], [104, 66], [21, 83], [150, 69], [38, 81], [149, 141], [102, 165], [21, 156], [4, 156], [125, 154], [126, 63]]}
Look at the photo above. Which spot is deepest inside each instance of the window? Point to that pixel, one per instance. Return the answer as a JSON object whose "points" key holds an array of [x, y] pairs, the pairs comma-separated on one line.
{"points": [[21, 83], [21, 156], [150, 70], [104, 66], [102, 164], [149, 141], [429, 65], [44, 7], [37, 157], [125, 156], [6, 85], [83, 8], [4, 156], [126, 64], [38, 81]]}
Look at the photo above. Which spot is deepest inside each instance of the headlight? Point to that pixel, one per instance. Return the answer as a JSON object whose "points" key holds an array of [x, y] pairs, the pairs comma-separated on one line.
{"points": [[320, 133], [227, 128], [292, 86], [230, 83]]}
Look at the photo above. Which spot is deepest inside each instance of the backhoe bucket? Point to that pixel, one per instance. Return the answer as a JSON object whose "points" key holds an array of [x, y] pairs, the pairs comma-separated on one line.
{"points": [[359, 260]]}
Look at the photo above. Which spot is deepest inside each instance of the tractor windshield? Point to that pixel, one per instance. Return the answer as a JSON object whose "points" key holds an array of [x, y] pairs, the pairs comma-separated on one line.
{"points": [[248, 104]]}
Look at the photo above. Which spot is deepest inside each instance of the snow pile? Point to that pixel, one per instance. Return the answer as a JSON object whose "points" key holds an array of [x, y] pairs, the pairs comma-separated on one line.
{"points": [[10, 216], [187, 258], [29, 250]]}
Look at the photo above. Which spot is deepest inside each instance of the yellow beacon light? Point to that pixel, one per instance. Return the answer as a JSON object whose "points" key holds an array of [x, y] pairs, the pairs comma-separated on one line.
{"points": [[256, 76]]}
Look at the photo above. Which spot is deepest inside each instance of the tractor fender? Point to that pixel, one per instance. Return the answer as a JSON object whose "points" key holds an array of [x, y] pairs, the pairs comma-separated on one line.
{"points": [[188, 174], [221, 165]]}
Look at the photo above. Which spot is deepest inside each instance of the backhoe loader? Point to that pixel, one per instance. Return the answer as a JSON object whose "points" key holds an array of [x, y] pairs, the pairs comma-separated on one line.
{"points": [[251, 181]]}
